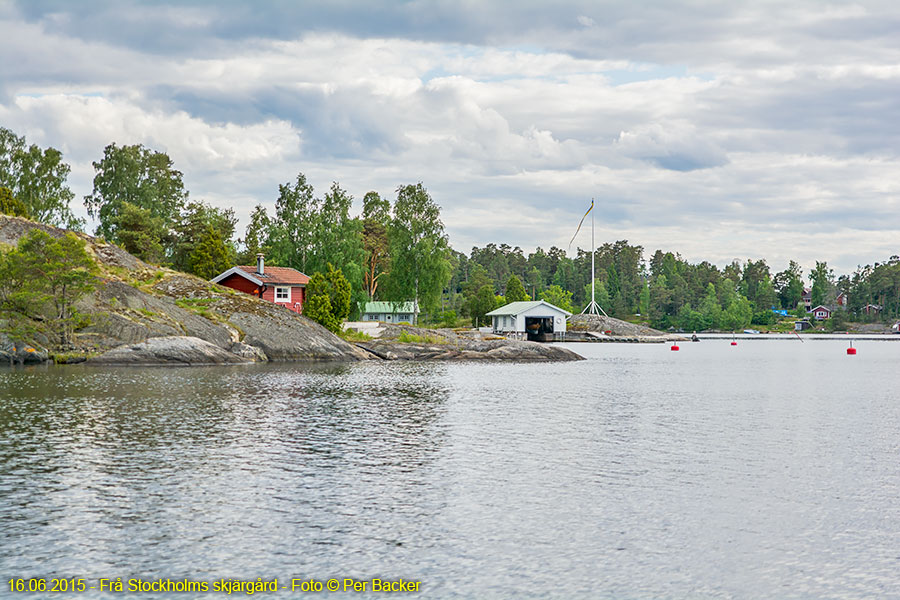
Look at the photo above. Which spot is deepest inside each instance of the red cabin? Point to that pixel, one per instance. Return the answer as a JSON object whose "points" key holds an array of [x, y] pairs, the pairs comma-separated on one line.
{"points": [[281, 285]]}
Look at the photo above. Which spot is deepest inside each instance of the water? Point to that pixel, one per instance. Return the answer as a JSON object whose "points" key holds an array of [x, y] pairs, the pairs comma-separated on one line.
{"points": [[764, 470]]}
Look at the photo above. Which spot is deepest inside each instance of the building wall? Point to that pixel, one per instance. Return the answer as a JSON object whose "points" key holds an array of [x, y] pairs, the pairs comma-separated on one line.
{"points": [[503, 324], [298, 296], [559, 318], [236, 282], [389, 317]]}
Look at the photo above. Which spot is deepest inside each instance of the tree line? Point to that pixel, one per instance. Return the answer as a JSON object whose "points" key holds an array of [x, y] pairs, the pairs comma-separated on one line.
{"points": [[397, 250]]}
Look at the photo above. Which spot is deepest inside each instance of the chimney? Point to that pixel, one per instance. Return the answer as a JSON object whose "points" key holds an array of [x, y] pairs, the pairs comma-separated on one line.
{"points": [[260, 264]]}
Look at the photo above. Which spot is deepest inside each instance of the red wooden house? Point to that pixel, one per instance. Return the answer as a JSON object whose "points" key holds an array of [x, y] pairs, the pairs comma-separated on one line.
{"points": [[821, 312], [281, 285]]}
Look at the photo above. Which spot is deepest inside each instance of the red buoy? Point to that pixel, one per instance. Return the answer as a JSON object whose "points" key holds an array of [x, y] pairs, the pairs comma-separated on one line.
{"points": [[851, 350], [734, 343], [675, 348]]}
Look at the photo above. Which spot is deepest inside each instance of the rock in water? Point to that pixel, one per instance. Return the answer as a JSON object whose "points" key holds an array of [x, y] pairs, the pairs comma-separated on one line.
{"points": [[506, 350], [173, 350], [249, 352], [13, 351]]}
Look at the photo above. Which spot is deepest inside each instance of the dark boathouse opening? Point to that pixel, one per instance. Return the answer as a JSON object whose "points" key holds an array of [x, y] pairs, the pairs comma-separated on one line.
{"points": [[539, 329]]}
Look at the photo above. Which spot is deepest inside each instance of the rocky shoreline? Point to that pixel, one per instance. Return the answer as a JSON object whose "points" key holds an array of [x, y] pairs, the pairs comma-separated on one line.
{"points": [[490, 350], [144, 314]]}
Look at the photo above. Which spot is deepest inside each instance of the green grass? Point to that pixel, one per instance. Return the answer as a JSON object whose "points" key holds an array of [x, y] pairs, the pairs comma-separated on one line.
{"points": [[352, 335], [409, 338], [193, 303], [199, 306]]}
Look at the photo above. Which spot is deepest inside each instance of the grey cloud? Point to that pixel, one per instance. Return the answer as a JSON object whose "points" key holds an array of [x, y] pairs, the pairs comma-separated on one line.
{"points": [[677, 147], [792, 119]]}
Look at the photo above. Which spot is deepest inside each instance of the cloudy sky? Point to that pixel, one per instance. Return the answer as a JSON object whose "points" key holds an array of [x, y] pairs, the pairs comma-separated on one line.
{"points": [[720, 130]]}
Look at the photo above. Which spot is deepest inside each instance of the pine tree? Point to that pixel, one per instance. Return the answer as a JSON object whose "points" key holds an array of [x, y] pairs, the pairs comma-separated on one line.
{"points": [[515, 291]]}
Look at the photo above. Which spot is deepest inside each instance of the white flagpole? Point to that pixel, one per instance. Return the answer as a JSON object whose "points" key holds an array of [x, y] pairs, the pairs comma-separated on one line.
{"points": [[593, 275], [593, 308]]}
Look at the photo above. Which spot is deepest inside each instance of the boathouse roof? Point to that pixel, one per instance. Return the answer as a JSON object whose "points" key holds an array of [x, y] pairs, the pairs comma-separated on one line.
{"points": [[517, 308]]}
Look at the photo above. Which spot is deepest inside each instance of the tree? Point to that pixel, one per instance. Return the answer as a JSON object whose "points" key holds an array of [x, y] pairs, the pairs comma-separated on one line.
{"points": [[141, 233], [474, 299], [328, 298], [256, 237], [788, 285], [482, 302], [211, 254], [558, 297], [339, 240], [295, 224], [644, 305], [45, 276], [737, 311], [515, 291], [191, 228], [309, 232], [690, 319], [601, 295], [376, 220], [756, 285], [135, 174], [37, 178], [710, 308], [10, 205], [822, 284], [419, 249]]}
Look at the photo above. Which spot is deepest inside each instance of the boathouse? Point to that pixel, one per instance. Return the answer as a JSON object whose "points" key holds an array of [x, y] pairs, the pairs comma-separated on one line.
{"points": [[391, 312], [535, 320], [282, 285], [802, 325]]}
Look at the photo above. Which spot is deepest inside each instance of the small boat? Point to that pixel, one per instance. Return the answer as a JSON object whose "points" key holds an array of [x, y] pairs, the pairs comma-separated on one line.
{"points": [[751, 331]]}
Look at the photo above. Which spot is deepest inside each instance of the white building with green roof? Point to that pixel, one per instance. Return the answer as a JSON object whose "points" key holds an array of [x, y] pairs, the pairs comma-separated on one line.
{"points": [[536, 320], [391, 312]]}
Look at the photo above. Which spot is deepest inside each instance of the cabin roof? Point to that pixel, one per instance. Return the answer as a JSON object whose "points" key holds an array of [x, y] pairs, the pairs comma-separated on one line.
{"points": [[270, 275], [390, 307]]}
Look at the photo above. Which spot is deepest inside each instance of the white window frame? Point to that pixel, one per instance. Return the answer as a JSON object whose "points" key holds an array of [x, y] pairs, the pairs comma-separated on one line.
{"points": [[282, 288]]}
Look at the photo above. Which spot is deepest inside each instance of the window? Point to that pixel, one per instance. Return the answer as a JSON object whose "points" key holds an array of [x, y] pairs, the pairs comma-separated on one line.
{"points": [[282, 294]]}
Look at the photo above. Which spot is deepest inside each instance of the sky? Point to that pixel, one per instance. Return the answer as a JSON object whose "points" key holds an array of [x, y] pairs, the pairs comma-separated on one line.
{"points": [[718, 130]]}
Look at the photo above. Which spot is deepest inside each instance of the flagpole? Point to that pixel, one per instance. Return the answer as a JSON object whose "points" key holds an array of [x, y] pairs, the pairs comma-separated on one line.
{"points": [[593, 308], [593, 275]]}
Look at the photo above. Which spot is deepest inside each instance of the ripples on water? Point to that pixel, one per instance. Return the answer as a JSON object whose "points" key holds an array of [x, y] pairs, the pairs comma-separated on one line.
{"points": [[766, 470]]}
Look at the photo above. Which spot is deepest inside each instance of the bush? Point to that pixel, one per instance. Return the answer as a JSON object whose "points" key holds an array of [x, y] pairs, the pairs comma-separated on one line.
{"points": [[448, 318], [10, 205], [42, 278], [328, 299]]}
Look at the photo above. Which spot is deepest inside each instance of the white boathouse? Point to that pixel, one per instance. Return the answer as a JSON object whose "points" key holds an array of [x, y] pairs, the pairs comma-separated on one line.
{"points": [[535, 320]]}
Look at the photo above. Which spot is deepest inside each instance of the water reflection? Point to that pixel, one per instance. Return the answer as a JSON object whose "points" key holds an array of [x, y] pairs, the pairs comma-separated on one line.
{"points": [[770, 471]]}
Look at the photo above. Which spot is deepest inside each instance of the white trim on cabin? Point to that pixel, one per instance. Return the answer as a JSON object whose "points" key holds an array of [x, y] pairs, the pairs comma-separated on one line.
{"points": [[236, 271]]}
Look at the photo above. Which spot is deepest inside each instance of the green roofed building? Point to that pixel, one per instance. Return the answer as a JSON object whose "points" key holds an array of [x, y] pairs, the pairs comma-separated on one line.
{"points": [[391, 312], [537, 320]]}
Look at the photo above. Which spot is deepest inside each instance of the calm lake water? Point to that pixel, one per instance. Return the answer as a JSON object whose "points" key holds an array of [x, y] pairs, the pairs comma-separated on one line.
{"points": [[766, 470]]}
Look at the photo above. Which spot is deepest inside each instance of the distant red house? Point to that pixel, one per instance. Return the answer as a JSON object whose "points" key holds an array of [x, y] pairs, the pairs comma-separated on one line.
{"points": [[281, 285], [821, 313], [842, 300], [872, 309], [806, 299]]}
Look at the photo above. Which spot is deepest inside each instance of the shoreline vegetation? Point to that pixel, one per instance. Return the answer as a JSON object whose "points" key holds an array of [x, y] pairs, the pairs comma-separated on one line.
{"points": [[131, 312], [56, 295]]}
